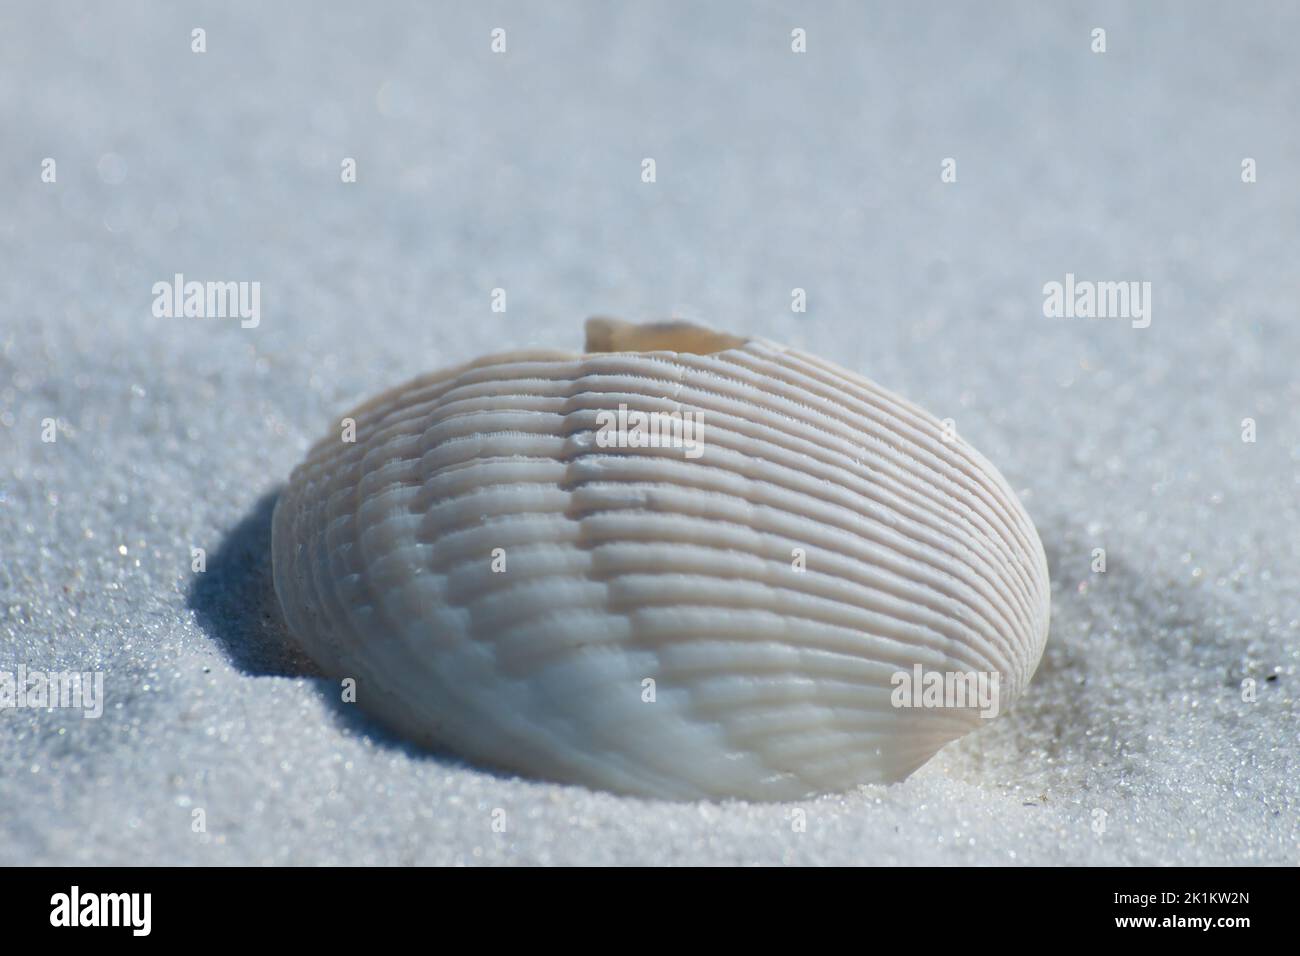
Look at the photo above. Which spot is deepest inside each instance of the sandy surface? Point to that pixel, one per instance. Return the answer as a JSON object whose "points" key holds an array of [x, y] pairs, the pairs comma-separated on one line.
{"points": [[522, 171]]}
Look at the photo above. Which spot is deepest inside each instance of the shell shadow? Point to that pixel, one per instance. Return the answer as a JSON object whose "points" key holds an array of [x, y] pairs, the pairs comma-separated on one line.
{"points": [[235, 603]]}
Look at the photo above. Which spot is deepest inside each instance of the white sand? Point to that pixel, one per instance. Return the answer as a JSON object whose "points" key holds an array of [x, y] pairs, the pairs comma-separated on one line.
{"points": [[522, 171]]}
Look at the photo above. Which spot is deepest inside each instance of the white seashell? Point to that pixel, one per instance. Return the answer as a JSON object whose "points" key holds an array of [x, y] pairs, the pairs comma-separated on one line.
{"points": [[501, 583]]}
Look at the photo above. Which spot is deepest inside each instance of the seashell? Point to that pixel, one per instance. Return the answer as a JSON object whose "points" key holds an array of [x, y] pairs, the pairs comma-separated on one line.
{"points": [[748, 595]]}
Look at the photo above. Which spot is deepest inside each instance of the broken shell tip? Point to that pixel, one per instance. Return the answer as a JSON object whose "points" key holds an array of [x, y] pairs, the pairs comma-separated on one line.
{"points": [[615, 335]]}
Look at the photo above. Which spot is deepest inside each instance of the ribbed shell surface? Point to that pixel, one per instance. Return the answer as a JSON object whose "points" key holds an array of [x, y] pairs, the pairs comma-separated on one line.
{"points": [[504, 587]]}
